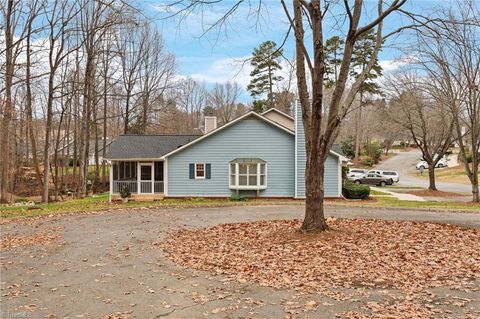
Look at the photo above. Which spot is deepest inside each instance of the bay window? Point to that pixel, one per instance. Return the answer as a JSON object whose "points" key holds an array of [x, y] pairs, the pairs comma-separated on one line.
{"points": [[248, 173]]}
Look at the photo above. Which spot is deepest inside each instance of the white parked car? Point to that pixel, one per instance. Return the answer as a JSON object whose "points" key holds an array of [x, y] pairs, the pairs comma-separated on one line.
{"points": [[353, 173], [393, 175], [424, 165]]}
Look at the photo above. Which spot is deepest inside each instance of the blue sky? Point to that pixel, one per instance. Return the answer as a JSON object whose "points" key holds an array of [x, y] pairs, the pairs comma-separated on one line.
{"points": [[218, 55]]}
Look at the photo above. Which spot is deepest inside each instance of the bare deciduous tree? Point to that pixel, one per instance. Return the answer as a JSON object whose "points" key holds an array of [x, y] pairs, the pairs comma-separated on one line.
{"points": [[322, 122], [430, 124], [11, 12], [223, 98], [157, 68], [449, 51], [191, 97]]}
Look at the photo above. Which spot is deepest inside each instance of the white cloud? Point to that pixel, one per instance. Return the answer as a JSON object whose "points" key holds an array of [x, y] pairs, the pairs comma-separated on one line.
{"points": [[393, 65], [235, 69]]}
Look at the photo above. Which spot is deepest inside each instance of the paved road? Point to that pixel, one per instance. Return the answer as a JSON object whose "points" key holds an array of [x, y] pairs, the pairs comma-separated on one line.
{"points": [[404, 164], [107, 262]]}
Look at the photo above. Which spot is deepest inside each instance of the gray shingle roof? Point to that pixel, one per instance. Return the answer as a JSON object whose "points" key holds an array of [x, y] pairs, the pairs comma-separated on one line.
{"points": [[146, 146]]}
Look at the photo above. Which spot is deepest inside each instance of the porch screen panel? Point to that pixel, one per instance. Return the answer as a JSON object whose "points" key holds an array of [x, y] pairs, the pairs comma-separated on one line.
{"points": [[159, 171], [126, 171]]}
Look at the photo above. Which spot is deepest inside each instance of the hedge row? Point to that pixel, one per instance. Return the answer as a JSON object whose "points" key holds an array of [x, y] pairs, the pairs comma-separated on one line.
{"points": [[353, 191]]}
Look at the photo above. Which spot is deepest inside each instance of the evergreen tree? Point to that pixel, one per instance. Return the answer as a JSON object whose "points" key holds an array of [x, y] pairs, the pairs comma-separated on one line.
{"points": [[362, 54], [266, 63], [333, 57], [259, 106]]}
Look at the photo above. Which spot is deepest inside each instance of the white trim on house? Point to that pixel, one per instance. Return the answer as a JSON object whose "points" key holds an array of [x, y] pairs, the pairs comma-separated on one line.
{"points": [[295, 194], [252, 113], [152, 177], [204, 170], [237, 185], [165, 177], [140, 180], [279, 112], [110, 184], [340, 180], [155, 159], [341, 157]]}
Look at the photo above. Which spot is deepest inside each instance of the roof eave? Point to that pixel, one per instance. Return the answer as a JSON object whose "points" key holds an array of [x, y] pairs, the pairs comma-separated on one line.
{"points": [[134, 159], [279, 112]]}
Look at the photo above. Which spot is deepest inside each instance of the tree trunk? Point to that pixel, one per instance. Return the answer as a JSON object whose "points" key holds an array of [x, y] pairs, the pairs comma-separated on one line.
{"points": [[48, 128], [270, 88], [28, 109], [431, 177], [358, 128], [314, 220], [127, 113], [314, 210], [9, 108], [474, 181], [476, 195], [85, 136], [104, 141]]}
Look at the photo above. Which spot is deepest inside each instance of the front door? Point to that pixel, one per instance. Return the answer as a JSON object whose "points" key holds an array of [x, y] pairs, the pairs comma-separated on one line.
{"points": [[146, 178]]}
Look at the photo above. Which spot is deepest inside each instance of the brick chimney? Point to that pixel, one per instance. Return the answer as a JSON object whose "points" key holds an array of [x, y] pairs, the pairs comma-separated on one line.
{"points": [[210, 124]]}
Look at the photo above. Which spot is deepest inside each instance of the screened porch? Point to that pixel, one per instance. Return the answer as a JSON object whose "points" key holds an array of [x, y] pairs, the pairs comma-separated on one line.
{"points": [[140, 177]]}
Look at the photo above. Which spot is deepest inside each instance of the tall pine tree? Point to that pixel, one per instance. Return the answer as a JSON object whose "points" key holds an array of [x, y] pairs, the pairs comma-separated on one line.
{"points": [[362, 54], [333, 56], [266, 64]]}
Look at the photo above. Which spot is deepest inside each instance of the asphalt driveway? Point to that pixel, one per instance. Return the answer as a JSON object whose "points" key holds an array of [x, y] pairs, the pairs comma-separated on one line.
{"points": [[107, 263]]}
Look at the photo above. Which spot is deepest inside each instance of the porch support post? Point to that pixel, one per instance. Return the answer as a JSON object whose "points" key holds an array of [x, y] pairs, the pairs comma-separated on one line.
{"points": [[110, 185], [165, 177], [153, 177], [138, 177]]}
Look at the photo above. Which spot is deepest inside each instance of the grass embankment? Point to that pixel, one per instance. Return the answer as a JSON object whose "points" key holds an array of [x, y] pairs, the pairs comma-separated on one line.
{"points": [[390, 201], [100, 202], [451, 174], [378, 193]]}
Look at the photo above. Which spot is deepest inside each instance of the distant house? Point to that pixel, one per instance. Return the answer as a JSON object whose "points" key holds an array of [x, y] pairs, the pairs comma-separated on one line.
{"points": [[255, 155]]}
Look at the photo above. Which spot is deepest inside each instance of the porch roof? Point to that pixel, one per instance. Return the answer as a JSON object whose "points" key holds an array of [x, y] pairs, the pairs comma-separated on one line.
{"points": [[136, 147]]}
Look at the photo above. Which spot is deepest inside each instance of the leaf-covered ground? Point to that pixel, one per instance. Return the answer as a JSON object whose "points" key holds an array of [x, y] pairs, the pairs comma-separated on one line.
{"points": [[357, 255], [107, 265], [45, 237]]}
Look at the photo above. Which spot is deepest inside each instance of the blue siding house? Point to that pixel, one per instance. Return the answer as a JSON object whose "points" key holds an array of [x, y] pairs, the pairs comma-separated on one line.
{"points": [[253, 156]]}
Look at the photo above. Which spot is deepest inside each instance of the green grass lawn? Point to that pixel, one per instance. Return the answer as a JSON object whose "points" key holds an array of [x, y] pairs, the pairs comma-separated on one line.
{"points": [[375, 192], [451, 174], [389, 201], [100, 202]]}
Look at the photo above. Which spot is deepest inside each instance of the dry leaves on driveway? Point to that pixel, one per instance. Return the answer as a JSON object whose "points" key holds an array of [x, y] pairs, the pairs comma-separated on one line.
{"points": [[409, 256], [45, 237]]}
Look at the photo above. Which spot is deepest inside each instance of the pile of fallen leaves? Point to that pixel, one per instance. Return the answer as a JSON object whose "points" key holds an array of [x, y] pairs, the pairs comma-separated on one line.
{"points": [[409, 256], [45, 237]]}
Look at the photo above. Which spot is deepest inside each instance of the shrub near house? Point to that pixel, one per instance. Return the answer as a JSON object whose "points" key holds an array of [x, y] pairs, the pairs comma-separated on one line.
{"points": [[353, 191]]}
